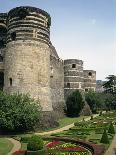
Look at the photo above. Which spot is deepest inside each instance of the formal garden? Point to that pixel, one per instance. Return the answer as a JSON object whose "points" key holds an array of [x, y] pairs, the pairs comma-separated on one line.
{"points": [[85, 138], [21, 119]]}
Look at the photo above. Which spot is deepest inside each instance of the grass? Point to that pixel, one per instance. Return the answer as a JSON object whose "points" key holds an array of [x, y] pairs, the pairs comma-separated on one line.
{"points": [[65, 121], [5, 146]]}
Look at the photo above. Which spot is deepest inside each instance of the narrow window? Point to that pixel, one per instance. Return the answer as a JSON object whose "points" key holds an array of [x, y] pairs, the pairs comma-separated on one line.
{"points": [[68, 85], [73, 65], [90, 74], [13, 36], [10, 79]]}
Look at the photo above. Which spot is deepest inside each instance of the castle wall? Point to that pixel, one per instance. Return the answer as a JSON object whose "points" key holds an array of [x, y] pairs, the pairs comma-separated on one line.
{"points": [[73, 76], [27, 57], [89, 80], [3, 36], [57, 82]]}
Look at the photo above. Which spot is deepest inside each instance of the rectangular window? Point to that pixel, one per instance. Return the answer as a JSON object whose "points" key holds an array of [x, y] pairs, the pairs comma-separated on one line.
{"points": [[73, 65], [68, 85], [10, 80]]}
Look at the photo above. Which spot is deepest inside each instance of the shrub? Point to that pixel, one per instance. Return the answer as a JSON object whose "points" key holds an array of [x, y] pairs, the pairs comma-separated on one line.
{"points": [[18, 112], [35, 143], [104, 138], [111, 129], [25, 139], [74, 104]]}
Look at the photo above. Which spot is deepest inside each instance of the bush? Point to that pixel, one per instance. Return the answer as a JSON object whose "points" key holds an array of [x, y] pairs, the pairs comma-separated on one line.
{"points": [[74, 104], [35, 143], [111, 129], [18, 112], [25, 139], [104, 138]]}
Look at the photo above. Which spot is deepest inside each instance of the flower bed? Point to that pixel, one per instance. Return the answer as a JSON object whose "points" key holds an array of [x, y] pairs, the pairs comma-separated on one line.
{"points": [[65, 148]]}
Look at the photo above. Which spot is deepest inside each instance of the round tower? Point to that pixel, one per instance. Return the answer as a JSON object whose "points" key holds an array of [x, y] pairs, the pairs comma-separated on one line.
{"points": [[27, 57], [89, 80], [73, 76]]}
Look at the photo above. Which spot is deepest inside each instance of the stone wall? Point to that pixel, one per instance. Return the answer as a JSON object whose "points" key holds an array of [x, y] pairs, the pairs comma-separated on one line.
{"points": [[57, 82]]}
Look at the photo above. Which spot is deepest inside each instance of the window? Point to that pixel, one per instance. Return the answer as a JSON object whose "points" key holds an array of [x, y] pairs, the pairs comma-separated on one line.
{"points": [[1, 80], [68, 85], [10, 80], [13, 36], [86, 90], [90, 74], [73, 65]]}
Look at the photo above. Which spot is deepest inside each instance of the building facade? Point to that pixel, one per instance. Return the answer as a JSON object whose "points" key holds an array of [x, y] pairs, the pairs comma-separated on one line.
{"points": [[30, 64]]}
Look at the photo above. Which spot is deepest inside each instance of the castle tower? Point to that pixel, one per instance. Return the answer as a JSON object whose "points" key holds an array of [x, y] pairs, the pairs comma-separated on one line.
{"points": [[89, 80], [3, 35], [73, 76], [27, 57]]}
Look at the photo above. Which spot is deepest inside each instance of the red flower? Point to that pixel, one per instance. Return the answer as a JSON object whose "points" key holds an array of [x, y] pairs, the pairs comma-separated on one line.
{"points": [[51, 144]]}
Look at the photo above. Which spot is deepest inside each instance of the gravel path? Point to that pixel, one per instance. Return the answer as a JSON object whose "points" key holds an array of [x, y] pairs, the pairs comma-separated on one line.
{"points": [[17, 145], [63, 128], [112, 149]]}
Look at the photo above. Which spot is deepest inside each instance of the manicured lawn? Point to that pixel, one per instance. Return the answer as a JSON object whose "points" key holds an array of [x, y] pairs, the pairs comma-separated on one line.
{"points": [[67, 120], [5, 146]]}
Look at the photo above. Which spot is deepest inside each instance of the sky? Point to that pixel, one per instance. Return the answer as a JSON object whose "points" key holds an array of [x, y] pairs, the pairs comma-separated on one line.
{"points": [[81, 29]]}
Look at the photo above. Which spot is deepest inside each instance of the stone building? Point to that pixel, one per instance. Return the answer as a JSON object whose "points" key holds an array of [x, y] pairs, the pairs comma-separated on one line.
{"points": [[30, 64]]}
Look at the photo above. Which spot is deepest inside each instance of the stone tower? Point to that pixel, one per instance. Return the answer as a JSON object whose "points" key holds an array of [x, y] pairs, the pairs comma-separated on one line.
{"points": [[73, 76], [27, 56], [89, 80]]}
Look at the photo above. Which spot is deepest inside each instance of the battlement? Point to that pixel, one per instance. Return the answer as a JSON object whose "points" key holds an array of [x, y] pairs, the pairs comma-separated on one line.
{"points": [[28, 23]]}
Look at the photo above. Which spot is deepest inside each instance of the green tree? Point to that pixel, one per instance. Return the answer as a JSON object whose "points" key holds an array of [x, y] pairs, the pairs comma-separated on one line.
{"points": [[18, 112], [93, 100], [111, 129], [104, 138], [110, 101], [110, 85], [75, 104]]}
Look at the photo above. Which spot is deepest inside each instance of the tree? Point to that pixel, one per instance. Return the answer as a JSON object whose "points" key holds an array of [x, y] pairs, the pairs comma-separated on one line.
{"points": [[75, 104], [110, 85], [110, 101], [18, 112], [111, 129], [104, 138], [93, 100]]}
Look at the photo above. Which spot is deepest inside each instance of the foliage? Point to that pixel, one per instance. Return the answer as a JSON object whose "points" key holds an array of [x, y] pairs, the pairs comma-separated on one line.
{"points": [[110, 84], [35, 143], [110, 101], [18, 112], [104, 138], [111, 129], [25, 139], [74, 104], [94, 101]]}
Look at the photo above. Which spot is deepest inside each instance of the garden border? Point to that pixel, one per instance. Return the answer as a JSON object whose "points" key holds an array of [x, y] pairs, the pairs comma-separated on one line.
{"points": [[93, 148]]}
